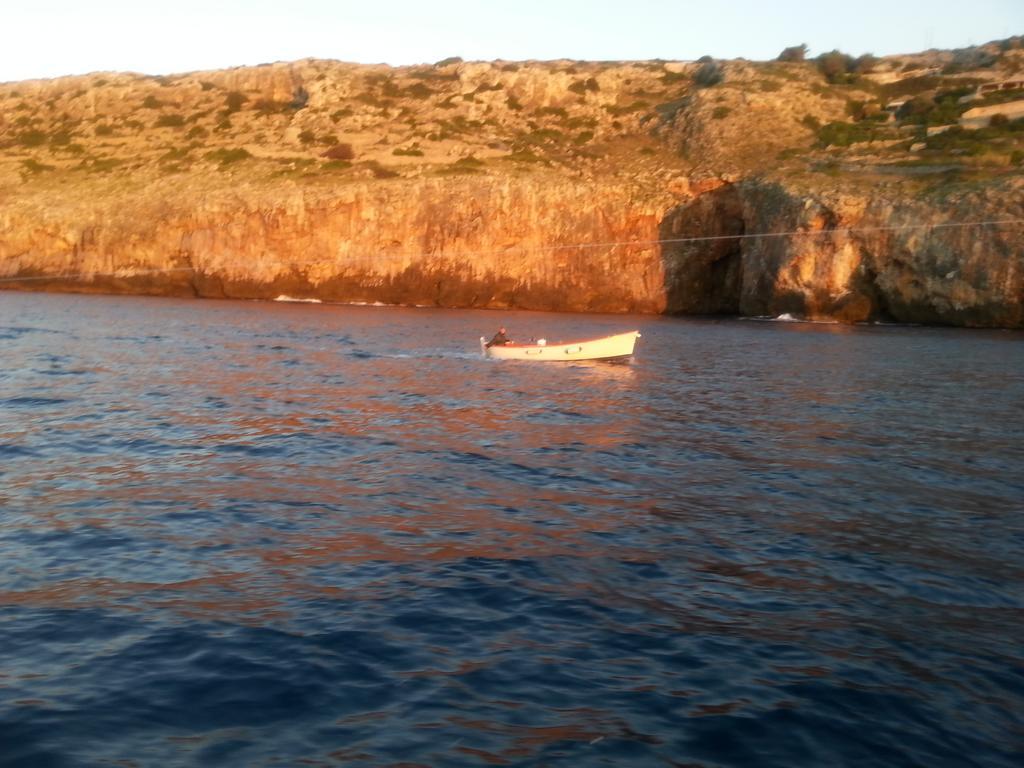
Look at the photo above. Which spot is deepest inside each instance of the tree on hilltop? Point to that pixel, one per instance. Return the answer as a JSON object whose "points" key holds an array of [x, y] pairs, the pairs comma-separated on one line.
{"points": [[835, 65], [794, 53], [842, 68], [710, 73]]}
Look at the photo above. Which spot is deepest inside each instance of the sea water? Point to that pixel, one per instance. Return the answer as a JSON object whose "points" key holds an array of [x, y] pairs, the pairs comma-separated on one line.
{"points": [[241, 533]]}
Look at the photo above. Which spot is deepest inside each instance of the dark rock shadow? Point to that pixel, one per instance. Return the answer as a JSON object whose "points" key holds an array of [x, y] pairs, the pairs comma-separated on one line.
{"points": [[702, 253]]}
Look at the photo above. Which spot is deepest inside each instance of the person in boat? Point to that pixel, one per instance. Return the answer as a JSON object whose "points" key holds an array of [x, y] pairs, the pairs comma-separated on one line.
{"points": [[499, 339]]}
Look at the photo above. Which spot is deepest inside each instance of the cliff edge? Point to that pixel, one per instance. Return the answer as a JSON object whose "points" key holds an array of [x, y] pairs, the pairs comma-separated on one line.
{"points": [[868, 190]]}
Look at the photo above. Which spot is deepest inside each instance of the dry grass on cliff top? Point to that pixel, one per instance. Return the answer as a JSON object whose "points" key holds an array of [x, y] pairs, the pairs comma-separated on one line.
{"points": [[323, 123]]}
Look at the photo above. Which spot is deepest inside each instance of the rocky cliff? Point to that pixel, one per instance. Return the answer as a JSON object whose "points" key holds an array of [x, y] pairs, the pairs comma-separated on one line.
{"points": [[425, 241], [706, 187], [952, 257]]}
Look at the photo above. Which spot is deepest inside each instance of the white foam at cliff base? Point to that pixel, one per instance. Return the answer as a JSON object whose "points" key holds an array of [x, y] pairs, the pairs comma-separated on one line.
{"points": [[293, 300], [786, 317]]}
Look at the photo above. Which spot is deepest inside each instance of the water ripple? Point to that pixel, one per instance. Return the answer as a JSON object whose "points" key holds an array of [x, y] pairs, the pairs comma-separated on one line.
{"points": [[314, 540]]}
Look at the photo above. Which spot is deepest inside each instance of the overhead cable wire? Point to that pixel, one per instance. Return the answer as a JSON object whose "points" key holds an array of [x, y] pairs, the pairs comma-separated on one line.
{"points": [[561, 247]]}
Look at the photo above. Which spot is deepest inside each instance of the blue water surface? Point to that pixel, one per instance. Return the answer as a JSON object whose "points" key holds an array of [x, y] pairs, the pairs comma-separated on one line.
{"points": [[259, 534]]}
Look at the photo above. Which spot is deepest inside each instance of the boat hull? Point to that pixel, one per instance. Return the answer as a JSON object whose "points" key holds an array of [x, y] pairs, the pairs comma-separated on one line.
{"points": [[608, 348]]}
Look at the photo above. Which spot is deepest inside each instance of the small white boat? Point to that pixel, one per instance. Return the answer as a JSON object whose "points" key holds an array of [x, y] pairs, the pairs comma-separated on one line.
{"points": [[608, 348]]}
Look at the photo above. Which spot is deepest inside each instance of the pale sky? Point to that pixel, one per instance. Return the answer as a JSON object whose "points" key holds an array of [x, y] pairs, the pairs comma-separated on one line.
{"points": [[47, 38]]}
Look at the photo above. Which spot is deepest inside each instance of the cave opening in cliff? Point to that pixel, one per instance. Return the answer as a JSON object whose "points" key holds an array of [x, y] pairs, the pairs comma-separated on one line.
{"points": [[704, 276]]}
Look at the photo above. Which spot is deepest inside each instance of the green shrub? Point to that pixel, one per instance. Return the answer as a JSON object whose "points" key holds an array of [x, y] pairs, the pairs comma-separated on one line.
{"points": [[999, 97], [225, 157], [170, 121], [911, 86], [197, 132], [411, 152], [174, 154], [581, 122], [966, 59], [152, 102], [842, 69], [925, 110], [417, 91], [300, 97], [307, 136], [810, 121], [794, 53], [270, 107], [33, 138], [1017, 157], [449, 61], [513, 103], [430, 74], [583, 137], [865, 64], [234, 100], [835, 66], [711, 73], [552, 111], [829, 168], [838, 134], [371, 99], [380, 171], [336, 165], [101, 164], [720, 113], [339, 152], [60, 139], [583, 86], [615, 110], [33, 166], [668, 77], [339, 114], [462, 166], [543, 136], [455, 170], [955, 138], [206, 85], [998, 120]]}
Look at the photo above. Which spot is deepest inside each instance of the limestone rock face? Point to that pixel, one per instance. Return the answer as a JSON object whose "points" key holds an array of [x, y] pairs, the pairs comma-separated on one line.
{"points": [[492, 243], [855, 258]]}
